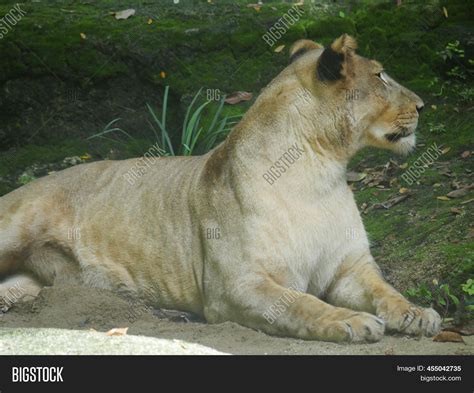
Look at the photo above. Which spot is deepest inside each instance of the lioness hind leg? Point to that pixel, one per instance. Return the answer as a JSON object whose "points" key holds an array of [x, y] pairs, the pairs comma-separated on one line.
{"points": [[14, 234], [359, 285], [282, 311], [16, 288]]}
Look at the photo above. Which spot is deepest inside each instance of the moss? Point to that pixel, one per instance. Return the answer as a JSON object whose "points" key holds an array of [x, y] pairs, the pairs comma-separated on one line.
{"points": [[20, 159], [325, 30], [461, 258]]}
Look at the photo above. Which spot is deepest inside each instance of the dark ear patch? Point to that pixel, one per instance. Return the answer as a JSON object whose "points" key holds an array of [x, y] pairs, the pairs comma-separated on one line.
{"points": [[300, 47], [300, 52], [330, 65]]}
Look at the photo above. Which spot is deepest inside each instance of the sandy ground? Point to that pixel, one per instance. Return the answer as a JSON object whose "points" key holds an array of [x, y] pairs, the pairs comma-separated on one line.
{"points": [[90, 312]]}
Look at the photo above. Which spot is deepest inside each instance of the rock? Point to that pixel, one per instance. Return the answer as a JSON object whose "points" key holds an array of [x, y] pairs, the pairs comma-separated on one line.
{"points": [[43, 341], [74, 160], [191, 31]]}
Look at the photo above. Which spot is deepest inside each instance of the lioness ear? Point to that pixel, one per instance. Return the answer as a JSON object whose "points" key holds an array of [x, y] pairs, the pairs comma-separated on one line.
{"points": [[331, 62], [300, 47]]}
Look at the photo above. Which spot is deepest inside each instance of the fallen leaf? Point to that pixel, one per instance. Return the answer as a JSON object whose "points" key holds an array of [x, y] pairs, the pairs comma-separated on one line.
{"points": [[445, 12], [455, 210], [256, 7], [459, 193], [162, 75], [117, 332], [403, 190], [436, 185], [355, 176], [393, 182], [448, 337], [455, 185], [389, 351], [125, 14], [279, 48], [86, 156], [149, 21], [465, 154], [445, 150], [83, 36], [446, 172], [403, 166], [238, 96], [434, 107], [443, 198]]}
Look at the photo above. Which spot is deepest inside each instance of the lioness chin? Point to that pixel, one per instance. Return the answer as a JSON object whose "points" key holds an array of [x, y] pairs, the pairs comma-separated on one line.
{"points": [[274, 191]]}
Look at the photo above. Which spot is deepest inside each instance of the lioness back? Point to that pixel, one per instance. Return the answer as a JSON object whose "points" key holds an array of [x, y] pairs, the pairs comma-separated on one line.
{"points": [[124, 231]]}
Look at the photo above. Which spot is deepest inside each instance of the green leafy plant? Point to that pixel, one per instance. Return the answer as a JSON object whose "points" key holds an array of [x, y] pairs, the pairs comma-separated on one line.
{"points": [[466, 93], [26, 177], [468, 287], [451, 50], [456, 72], [438, 128], [194, 133], [109, 129], [443, 298], [422, 292], [468, 291], [197, 136], [438, 296]]}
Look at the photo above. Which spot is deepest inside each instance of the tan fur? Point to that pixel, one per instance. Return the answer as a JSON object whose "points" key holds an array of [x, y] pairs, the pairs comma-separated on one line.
{"points": [[303, 45], [345, 43], [282, 247]]}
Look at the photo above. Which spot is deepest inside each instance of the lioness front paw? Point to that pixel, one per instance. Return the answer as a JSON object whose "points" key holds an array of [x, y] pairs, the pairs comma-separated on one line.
{"points": [[402, 316], [358, 327]]}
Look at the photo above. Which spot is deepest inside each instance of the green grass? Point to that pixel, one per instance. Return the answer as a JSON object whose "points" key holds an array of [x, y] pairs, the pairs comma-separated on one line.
{"points": [[200, 132]]}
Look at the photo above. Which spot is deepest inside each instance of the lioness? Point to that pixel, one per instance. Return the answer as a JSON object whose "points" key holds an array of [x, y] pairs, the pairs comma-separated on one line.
{"points": [[255, 231]]}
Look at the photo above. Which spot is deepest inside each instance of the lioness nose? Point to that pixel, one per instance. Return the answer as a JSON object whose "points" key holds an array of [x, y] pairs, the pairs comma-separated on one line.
{"points": [[419, 107]]}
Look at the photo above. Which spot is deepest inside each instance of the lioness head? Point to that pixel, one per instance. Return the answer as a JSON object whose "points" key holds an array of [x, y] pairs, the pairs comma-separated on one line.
{"points": [[350, 98]]}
